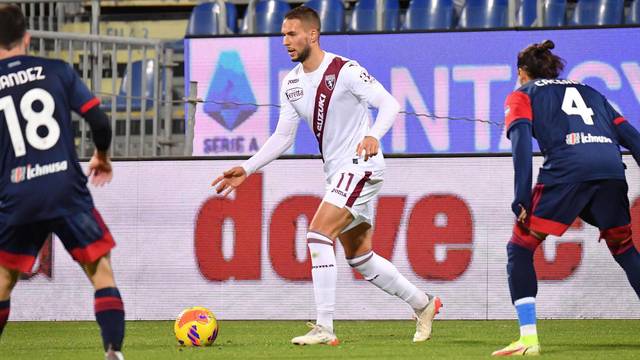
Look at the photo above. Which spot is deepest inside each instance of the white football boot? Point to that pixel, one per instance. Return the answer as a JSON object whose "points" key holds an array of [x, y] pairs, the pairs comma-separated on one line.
{"points": [[317, 335], [113, 355], [424, 319]]}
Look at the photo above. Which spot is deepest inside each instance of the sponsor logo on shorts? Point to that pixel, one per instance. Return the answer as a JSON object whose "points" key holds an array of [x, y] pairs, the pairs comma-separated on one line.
{"points": [[294, 94], [582, 138], [28, 172], [339, 192]]}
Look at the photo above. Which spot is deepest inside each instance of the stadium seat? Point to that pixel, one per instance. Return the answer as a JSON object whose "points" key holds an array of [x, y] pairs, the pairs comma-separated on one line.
{"points": [[176, 45], [429, 14], [554, 13], [364, 16], [634, 13], [269, 16], [134, 74], [598, 12], [391, 15], [331, 14], [204, 19], [484, 14]]}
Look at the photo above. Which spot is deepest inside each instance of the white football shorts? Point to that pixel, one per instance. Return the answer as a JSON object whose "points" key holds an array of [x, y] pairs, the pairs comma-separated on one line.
{"points": [[355, 189]]}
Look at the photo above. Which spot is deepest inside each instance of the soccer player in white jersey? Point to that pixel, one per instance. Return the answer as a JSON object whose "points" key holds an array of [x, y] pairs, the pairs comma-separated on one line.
{"points": [[333, 94]]}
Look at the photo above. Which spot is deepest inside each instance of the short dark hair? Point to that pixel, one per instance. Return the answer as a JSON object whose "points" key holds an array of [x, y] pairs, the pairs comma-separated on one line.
{"points": [[305, 14], [539, 62], [13, 26]]}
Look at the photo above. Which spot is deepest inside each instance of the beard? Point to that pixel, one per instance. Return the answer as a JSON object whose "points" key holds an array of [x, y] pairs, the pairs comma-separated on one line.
{"points": [[303, 54]]}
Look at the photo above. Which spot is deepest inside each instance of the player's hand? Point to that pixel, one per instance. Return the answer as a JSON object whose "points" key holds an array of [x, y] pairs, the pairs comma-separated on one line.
{"points": [[370, 146], [100, 171], [229, 180], [523, 214]]}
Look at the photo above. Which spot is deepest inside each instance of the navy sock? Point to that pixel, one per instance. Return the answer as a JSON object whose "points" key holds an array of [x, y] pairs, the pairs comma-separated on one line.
{"points": [[522, 275], [630, 263], [5, 306], [110, 316]]}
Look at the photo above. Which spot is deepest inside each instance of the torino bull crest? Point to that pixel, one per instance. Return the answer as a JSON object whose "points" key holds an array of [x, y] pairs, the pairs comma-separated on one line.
{"points": [[330, 81]]}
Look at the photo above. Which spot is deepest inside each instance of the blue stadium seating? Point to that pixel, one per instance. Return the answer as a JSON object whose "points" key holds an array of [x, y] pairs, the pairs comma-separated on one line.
{"points": [[634, 13], [204, 19], [429, 14], [391, 15], [331, 14], [554, 13], [134, 74], [484, 14], [364, 16], [269, 16], [598, 12]]}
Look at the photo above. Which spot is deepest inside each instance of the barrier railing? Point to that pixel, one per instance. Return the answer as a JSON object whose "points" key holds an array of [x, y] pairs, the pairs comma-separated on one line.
{"points": [[132, 77], [48, 15]]}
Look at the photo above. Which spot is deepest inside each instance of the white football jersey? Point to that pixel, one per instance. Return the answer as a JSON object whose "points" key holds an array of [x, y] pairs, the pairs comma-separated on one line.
{"points": [[333, 100]]}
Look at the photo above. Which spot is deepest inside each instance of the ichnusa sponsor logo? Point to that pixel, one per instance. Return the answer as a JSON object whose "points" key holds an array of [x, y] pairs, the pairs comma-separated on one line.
{"points": [[22, 173], [582, 138]]}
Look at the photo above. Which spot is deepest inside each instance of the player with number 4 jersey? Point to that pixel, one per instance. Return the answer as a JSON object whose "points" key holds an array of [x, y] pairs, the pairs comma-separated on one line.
{"points": [[579, 134], [42, 186]]}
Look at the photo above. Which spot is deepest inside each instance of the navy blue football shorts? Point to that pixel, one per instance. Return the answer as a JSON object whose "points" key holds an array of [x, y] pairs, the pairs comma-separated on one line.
{"points": [[601, 203], [84, 235]]}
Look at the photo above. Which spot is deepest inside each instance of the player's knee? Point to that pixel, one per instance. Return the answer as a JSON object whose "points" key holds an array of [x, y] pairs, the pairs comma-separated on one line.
{"points": [[317, 237], [327, 231], [8, 280], [618, 239]]}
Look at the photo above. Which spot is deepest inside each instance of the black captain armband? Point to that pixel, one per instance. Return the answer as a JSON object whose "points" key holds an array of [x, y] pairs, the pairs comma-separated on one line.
{"points": [[100, 127]]}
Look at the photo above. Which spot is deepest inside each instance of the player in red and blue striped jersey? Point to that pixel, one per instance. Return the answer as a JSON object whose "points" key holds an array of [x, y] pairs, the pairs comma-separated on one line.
{"points": [[580, 134], [42, 186]]}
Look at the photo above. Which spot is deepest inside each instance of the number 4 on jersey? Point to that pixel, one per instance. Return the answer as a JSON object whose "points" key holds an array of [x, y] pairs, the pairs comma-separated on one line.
{"points": [[34, 119], [573, 104]]}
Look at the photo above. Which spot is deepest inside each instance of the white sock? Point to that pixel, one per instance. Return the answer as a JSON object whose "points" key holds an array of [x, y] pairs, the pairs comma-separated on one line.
{"points": [[324, 275], [383, 274]]}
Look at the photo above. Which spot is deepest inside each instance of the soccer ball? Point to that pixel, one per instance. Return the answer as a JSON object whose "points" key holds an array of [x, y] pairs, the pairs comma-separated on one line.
{"points": [[196, 326]]}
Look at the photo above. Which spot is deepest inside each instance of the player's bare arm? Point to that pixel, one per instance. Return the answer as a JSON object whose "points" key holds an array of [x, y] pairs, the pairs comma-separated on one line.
{"points": [[368, 147], [281, 139], [523, 214], [100, 170], [229, 180], [275, 146]]}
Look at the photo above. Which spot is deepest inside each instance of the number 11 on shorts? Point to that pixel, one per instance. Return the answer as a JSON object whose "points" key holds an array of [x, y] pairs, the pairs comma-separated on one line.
{"points": [[348, 182]]}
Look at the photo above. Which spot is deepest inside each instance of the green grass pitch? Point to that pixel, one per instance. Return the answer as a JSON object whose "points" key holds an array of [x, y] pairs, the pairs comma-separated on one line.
{"points": [[560, 339]]}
